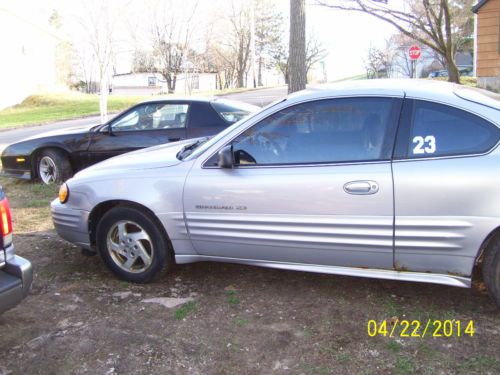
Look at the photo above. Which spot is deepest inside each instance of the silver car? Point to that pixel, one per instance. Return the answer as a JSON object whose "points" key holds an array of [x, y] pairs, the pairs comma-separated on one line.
{"points": [[391, 179]]}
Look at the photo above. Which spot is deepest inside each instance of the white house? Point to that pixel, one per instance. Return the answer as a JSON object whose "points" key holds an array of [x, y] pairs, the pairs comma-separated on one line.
{"points": [[154, 83], [28, 61]]}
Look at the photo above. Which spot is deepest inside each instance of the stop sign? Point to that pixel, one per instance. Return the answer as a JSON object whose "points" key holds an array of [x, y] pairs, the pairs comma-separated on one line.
{"points": [[414, 52]]}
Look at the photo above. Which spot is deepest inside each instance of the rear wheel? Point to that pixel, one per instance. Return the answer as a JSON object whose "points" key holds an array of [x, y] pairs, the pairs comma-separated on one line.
{"points": [[491, 270], [133, 245], [53, 166]]}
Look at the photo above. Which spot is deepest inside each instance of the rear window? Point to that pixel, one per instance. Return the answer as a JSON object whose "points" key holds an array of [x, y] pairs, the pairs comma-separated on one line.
{"points": [[232, 111], [440, 130]]}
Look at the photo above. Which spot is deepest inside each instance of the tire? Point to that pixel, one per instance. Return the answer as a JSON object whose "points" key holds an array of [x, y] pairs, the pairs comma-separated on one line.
{"points": [[132, 245], [491, 270], [53, 166]]}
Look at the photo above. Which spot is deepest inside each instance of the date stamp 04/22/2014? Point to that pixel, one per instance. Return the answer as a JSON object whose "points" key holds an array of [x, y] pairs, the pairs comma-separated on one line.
{"points": [[421, 329]]}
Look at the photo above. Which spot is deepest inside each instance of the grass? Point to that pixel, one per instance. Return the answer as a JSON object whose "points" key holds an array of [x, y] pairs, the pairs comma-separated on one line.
{"points": [[232, 297], [43, 108], [405, 365], [30, 203], [482, 363], [466, 81], [394, 346], [183, 311]]}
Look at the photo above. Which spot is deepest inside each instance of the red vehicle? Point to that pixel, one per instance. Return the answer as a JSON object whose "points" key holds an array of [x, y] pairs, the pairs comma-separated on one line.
{"points": [[16, 273]]}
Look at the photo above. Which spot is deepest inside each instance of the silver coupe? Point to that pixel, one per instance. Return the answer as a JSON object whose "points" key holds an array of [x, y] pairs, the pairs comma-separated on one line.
{"points": [[391, 179]]}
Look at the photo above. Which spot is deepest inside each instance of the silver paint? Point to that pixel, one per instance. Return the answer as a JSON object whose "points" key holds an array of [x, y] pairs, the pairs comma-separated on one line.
{"points": [[430, 228]]}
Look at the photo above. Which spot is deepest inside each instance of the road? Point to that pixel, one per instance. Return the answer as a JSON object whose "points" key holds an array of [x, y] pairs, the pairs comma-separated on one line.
{"points": [[259, 97]]}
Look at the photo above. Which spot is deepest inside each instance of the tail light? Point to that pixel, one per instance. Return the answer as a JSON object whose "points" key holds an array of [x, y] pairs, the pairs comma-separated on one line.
{"points": [[5, 222]]}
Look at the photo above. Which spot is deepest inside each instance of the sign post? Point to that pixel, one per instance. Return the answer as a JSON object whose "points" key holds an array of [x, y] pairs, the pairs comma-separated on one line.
{"points": [[414, 52]]}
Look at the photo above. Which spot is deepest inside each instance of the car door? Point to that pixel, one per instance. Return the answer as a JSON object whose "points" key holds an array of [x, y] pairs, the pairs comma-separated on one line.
{"points": [[445, 187], [145, 125], [311, 184]]}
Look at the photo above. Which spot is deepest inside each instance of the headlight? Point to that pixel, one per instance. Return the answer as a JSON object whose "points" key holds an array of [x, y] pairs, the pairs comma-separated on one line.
{"points": [[63, 193]]}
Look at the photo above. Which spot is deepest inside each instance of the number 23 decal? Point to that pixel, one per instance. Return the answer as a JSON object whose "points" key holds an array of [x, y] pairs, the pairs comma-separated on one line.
{"points": [[425, 145]]}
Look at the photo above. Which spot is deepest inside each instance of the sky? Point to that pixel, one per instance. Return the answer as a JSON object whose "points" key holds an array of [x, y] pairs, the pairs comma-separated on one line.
{"points": [[346, 36]]}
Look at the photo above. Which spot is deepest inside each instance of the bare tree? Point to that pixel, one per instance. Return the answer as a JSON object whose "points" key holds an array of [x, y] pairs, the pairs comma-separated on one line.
{"points": [[315, 52], [402, 63], [171, 34], [297, 46], [438, 24], [233, 47], [99, 25], [378, 62], [268, 34]]}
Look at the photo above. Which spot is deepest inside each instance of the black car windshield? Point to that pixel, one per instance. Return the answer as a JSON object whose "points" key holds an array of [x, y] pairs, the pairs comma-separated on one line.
{"points": [[232, 111]]}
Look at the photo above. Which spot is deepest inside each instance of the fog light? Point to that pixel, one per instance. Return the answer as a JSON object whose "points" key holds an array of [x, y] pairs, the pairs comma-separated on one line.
{"points": [[20, 160], [63, 193]]}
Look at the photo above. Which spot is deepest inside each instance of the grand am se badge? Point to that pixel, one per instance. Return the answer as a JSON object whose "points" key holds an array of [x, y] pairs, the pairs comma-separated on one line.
{"points": [[220, 207]]}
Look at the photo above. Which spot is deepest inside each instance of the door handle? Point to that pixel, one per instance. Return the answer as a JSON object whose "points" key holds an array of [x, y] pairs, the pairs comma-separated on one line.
{"points": [[174, 139], [361, 187]]}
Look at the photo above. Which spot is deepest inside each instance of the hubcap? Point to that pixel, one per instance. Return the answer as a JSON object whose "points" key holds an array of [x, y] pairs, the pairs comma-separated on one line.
{"points": [[129, 246], [47, 170]]}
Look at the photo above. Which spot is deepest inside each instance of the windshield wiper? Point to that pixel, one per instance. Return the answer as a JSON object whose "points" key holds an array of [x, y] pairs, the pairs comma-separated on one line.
{"points": [[188, 149]]}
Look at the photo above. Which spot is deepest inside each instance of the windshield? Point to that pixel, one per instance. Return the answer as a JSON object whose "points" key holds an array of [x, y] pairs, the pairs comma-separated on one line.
{"points": [[232, 111], [202, 148]]}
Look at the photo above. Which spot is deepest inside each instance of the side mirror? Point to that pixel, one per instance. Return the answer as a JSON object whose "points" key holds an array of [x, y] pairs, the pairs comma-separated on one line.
{"points": [[106, 129], [226, 157]]}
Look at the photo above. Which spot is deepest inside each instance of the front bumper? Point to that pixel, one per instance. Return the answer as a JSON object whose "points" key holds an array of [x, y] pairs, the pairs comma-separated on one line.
{"points": [[71, 224], [15, 173], [16, 277]]}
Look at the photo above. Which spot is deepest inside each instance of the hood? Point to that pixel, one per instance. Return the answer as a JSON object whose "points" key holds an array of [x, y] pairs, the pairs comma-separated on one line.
{"points": [[146, 158], [64, 131]]}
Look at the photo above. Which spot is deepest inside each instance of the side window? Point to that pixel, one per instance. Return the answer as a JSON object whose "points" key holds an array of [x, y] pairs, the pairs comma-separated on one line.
{"points": [[323, 131], [152, 116], [440, 130]]}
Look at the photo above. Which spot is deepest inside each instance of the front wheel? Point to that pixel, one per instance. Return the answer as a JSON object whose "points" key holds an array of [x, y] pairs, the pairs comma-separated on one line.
{"points": [[491, 270], [132, 245], [53, 167]]}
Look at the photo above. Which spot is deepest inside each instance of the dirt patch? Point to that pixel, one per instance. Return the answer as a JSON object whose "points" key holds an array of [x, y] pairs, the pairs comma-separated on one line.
{"points": [[80, 319], [211, 318]]}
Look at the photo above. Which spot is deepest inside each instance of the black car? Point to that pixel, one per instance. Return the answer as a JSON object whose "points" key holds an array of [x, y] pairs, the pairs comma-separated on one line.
{"points": [[55, 156]]}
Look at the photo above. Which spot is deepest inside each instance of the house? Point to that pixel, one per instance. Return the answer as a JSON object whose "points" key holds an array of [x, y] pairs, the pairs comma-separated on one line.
{"points": [[154, 83], [487, 43], [28, 63]]}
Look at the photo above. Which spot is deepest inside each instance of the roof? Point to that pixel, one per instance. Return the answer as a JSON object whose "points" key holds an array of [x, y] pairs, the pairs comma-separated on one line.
{"points": [[478, 6], [389, 87], [423, 89]]}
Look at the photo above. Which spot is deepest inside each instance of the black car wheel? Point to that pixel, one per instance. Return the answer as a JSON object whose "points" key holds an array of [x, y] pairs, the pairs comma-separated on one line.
{"points": [[53, 167], [132, 245], [491, 270]]}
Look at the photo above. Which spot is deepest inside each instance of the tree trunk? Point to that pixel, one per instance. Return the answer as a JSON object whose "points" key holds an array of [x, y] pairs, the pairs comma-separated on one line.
{"points": [[174, 83], [297, 48], [259, 73], [103, 98], [453, 73], [240, 74]]}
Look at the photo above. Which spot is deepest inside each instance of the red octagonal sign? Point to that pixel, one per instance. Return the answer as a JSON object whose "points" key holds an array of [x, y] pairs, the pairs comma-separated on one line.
{"points": [[414, 52]]}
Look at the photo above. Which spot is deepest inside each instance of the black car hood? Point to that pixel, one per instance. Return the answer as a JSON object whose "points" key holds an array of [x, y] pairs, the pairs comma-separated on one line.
{"points": [[64, 131]]}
